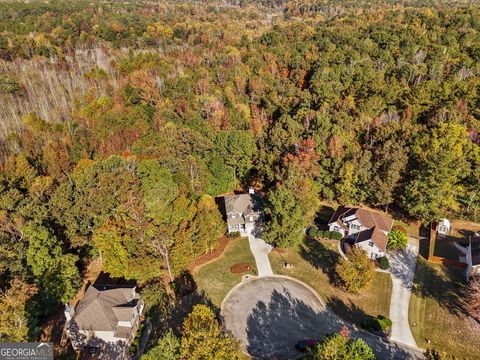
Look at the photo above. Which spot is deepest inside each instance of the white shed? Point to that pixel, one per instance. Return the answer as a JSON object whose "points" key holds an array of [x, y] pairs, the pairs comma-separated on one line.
{"points": [[443, 227]]}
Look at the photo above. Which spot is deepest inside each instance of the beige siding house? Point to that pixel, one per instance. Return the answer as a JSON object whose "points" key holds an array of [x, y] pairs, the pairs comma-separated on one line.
{"points": [[241, 212], [363, 228], [109, 314]]}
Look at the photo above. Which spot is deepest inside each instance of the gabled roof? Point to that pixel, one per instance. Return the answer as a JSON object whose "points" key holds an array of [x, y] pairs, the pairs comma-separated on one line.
{"points": [[103, 306], [367, 218], [241, 203], [374, 234], [377, 224]]}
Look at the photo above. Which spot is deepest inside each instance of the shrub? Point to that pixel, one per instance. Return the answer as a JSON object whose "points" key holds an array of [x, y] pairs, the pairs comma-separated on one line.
{"points": [[312, 231], [337, 346], [379, 323], [321, 233], [326, 234], [397, 239], [383, 263], [335, 235], [234, 234]]}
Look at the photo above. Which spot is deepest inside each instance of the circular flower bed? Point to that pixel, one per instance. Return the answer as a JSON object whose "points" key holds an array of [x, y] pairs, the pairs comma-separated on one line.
{"points": [[240, 268]]}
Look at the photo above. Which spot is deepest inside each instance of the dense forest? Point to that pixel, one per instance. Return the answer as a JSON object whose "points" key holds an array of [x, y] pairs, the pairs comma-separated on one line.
{"points": [[121, 122]]}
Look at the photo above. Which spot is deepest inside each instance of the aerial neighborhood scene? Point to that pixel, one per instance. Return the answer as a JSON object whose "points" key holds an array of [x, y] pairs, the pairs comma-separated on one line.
{"points": [[218, 180]]}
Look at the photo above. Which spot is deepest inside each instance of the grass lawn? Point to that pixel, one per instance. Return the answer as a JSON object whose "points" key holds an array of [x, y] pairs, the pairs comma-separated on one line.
{"points": [[313, 263], [216, 279], [436, 312], [410, 227]]}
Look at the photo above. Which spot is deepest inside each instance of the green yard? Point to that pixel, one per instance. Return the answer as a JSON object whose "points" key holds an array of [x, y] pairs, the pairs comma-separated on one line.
{"points": [[436, 313], [412, 229], [216, 279], [313, 263]]}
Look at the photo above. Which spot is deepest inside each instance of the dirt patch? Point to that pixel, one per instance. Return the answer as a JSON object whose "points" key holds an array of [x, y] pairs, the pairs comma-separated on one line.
{"points": [[281, 250], [205, 258], [240, 268]]}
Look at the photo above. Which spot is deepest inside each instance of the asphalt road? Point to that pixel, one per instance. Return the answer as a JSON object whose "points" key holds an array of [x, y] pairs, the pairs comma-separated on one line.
{"points": [[270, 314]]}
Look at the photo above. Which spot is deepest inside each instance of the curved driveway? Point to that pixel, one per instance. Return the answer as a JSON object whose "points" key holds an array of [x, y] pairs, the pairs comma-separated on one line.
{"points": [[270, 314]]}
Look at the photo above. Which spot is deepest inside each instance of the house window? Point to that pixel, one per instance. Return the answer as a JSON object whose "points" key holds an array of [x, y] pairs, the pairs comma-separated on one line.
{"points": [[251, 218], [336, 228], [370, 243], [355, 226], [442, 229], [233, 216]]}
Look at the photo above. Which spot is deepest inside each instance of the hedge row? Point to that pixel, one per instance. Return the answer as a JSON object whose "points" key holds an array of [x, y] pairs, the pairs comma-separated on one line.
{"points": [[316, 233], [234, 234]]}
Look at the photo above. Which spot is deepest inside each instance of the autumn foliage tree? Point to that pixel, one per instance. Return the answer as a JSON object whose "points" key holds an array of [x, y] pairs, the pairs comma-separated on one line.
{"points": [[203, 338], [15, 321], [355, 273]]}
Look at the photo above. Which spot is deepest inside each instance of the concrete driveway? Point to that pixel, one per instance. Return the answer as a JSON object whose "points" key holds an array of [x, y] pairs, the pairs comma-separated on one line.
{"points": [[268, 315], [402, 269], [260, 250]]}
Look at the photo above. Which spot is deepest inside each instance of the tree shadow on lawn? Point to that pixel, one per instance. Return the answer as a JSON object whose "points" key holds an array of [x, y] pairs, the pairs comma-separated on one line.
{"points": [[447, 290], [167, 310], [320, 257], [350, 312], [187, 296], [273, 328]]}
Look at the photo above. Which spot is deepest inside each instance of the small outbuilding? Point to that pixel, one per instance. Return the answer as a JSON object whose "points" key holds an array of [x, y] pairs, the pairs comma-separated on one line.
{"points": [[443, 227]]}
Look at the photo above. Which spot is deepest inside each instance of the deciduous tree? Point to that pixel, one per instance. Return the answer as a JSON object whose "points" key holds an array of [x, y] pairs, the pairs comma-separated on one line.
{"points": [[356, 273], [14, 318], [203, 339], [285, 226]]}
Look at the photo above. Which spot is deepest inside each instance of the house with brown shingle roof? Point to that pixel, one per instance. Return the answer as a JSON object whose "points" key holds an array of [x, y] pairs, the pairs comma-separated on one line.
{"points": [[106, 313], [363, 228]]}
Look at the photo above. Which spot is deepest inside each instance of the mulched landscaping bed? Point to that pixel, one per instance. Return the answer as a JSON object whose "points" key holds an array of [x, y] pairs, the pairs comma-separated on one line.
{"points": [[205, 258], [240, 268]]}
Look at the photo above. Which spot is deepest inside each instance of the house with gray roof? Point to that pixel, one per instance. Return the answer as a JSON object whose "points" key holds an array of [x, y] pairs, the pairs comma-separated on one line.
{"points": [[242, 212], [106, 313]]}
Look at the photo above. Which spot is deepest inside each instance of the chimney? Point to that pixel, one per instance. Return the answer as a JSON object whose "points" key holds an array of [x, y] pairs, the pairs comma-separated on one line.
{"points": [[69, 312]]}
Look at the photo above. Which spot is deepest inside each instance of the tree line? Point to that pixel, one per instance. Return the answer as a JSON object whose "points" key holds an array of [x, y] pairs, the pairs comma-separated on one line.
{"points": [[376, 107]]}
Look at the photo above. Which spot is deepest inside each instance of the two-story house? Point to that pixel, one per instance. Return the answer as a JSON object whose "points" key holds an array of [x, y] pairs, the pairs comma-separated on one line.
{"points": [[105, 313], [363, 228], [241, 212]]}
